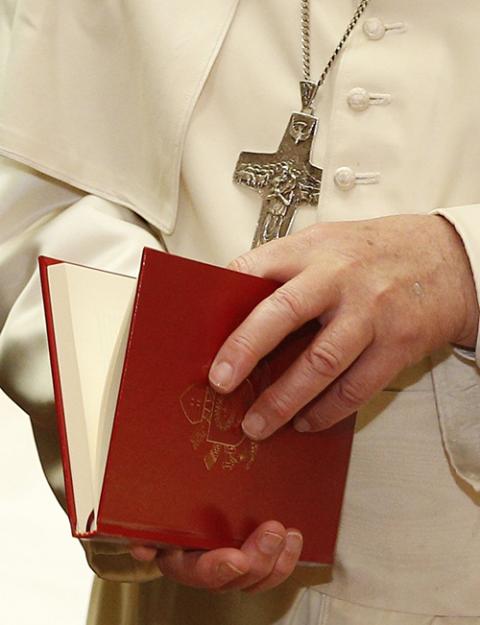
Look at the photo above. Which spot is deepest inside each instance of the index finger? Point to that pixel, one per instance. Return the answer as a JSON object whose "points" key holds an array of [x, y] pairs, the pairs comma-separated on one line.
{"points": [[287, 309]]}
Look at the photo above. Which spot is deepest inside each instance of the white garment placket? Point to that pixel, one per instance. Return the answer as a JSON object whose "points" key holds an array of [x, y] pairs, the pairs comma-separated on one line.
{"points": [[358, 157]]}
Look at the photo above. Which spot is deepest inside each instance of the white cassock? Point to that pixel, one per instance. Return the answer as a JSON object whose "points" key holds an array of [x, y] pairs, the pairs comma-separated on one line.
{"points": [[121, 123]]}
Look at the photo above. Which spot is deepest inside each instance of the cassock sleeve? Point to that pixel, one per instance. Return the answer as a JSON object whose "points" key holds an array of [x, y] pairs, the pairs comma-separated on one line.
{"points": [[39, 215], [458, 397], [466, 221]]}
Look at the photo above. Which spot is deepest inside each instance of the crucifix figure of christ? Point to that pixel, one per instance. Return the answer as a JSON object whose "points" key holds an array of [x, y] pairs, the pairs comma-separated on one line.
{"points": [[284, 179]]}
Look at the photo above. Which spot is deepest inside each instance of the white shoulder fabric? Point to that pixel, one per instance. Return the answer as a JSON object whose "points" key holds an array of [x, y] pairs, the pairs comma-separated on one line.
{"points": [[118, 129]]}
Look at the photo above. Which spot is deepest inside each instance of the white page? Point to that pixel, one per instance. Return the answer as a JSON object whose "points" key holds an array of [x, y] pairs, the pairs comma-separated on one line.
{"points": [[90, 310], [110, 395]]}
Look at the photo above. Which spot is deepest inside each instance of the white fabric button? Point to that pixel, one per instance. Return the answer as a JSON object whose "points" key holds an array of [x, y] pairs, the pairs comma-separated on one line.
{"points": [[358, 99], [345, 178], [374, 28]]}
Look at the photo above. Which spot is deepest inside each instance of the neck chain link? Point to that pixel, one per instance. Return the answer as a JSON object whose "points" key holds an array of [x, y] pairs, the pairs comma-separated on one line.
{"points": [[305, 28], [287, 178]]}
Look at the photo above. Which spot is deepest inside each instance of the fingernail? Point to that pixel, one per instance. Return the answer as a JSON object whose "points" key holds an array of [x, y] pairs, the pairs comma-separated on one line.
{"points": [[221, 375], [227, 572], [143, 553], [254, 425], [302, 425], [270, 542], [294, 542]]}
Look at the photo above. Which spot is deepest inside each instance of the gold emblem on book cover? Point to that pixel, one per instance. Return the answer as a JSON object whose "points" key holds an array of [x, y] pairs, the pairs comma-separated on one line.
{"points": [[217, 435]]}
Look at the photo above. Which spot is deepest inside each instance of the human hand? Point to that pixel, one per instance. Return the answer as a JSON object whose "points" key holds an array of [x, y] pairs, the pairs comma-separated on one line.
{"points": [[387, 292], [265, 560]]}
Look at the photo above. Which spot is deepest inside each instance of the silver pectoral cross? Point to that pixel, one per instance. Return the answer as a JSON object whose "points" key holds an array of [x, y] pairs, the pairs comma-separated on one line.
{"points": [[284, 179]]}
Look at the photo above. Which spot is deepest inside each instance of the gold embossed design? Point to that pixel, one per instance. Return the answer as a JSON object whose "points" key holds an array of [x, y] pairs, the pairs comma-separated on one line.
{"points": [[217, 434]]}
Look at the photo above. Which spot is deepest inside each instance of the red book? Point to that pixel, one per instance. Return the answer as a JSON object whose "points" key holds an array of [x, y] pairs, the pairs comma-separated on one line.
{"points": [[153, 454]]}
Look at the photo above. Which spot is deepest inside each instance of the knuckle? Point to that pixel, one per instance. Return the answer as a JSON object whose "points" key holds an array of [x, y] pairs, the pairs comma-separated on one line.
{"points": [[243, 343], [290, 303], [319, 420], [279, 405], [383, 292], [241, 264], [346, 263], [260, 570], [284, 567], [324, 358], [409, 334], [350, 393]]}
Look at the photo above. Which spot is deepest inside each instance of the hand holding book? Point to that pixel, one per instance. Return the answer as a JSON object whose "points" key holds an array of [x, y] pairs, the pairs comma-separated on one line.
{"points": [[386, 299], [153, 455], [266, 559]]}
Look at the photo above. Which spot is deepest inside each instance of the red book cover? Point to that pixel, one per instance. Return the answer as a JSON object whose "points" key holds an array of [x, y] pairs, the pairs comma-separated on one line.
{"points": [[180, 470]]}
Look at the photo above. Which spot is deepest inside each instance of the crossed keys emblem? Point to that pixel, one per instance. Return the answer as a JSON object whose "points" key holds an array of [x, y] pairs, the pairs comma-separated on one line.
{"points": [[217, 435]]}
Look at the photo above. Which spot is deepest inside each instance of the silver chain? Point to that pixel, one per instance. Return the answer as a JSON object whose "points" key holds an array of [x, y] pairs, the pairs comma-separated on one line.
{"points": [[305, 24]]}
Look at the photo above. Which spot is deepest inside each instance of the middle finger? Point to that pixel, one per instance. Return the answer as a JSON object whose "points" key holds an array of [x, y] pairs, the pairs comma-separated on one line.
{"points": [[331, 352]]}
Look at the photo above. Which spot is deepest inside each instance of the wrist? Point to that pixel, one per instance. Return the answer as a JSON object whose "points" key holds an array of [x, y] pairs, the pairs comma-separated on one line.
{"points": [[461, 287]]}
